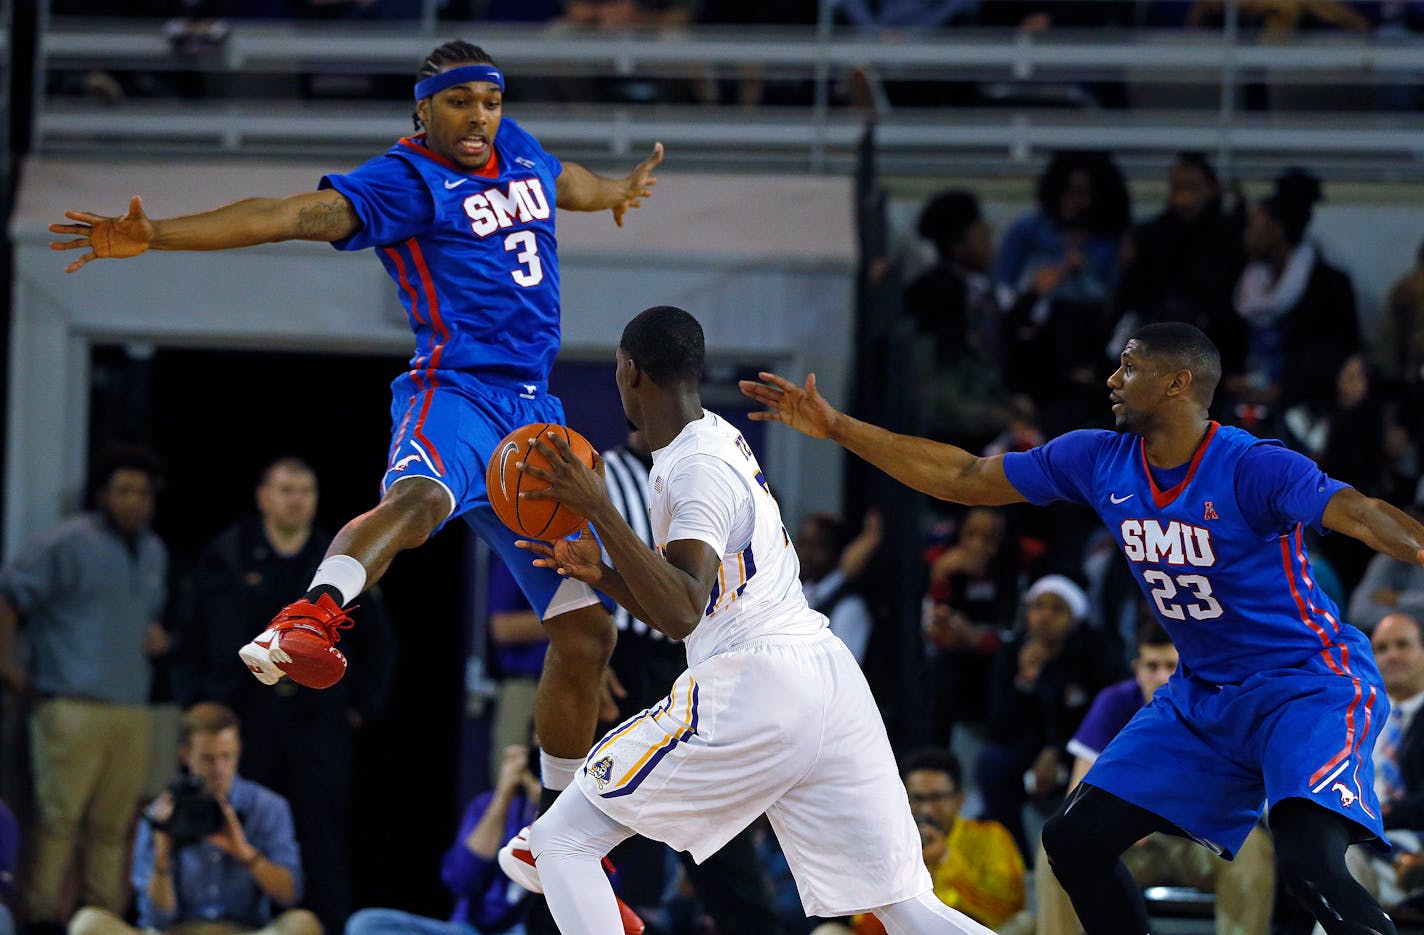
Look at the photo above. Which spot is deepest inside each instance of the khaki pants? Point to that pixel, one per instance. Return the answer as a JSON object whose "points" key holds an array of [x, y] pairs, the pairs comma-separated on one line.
{"points": [[1244, 887], [90, 760], [91, 921], [513, 718]]}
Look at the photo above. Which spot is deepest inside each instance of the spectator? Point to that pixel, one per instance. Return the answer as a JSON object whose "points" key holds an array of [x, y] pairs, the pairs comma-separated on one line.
{"points": [[1065, 257], [519, 643], [1389, 585], [1182, 264], [1299, 310], [9, 868], [962, 315], [976, 865], [824, 544], [90, 594], [470, 871], [972, 596], [1401, 327], [1044, 679], [224, 881], [241, 579], [1398, 644], [1242, 885]]}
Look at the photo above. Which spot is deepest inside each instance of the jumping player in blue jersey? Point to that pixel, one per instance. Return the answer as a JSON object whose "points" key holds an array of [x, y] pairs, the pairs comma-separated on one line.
{"points": [[1276, 700], [462, 217]]}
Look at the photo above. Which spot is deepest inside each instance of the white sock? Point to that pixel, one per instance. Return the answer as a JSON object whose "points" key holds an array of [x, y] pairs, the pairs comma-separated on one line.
{"points": [[343, 573], [922, 915], [569, 843], [558, 772]]}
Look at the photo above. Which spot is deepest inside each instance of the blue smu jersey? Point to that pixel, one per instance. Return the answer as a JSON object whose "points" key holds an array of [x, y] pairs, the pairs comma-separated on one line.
{"points": [[1236, 600], [473, 255]]}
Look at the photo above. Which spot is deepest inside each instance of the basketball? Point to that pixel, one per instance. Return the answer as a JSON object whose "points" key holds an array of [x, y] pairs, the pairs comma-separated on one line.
{"points": [[321, 664], [533, 519]]}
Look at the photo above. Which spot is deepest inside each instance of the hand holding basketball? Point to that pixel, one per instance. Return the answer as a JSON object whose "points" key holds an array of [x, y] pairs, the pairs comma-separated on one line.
{"points": [[580, 559], [533, 485]]}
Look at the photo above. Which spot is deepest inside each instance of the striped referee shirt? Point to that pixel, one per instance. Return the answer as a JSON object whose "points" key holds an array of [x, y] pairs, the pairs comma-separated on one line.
{"points": [[626, 478]]}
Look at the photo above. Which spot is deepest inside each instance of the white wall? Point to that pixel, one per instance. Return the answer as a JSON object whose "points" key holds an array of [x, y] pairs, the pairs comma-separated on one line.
{"points": [[765, 262]]}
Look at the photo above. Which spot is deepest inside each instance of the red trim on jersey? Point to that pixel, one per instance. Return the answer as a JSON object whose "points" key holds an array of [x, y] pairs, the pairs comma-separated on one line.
{"points": [[1164, 497], [416, 144], [442, 337], [414, 298]]}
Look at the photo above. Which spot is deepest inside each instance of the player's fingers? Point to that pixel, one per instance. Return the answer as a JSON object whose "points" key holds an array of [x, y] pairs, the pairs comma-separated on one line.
{"points": [[535, 472], [810, 384], [560, 443], [656, 157], [81, 229], [69, 244], [80, 262], [135, 208], [777, 381], [85, 216], [546, 494]]}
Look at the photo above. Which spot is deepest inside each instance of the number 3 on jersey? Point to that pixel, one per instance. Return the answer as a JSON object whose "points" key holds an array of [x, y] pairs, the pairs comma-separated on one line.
{"points": [[530, 271], [1202, 605]]}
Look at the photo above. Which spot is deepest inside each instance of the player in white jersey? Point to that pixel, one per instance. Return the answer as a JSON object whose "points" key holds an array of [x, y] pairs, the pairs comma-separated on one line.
{"points": [[772, 716]]}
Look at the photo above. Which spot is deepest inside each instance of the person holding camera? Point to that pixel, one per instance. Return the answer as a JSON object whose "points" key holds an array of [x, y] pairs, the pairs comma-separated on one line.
{"points": [[215, 851]]}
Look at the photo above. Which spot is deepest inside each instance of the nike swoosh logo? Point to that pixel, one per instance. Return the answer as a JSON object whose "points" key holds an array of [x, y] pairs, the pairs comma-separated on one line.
{"points": [[1116, 499], [454, 183]]}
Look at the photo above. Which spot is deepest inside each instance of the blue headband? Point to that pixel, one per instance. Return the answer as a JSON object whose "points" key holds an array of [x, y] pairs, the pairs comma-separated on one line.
{"points": [[465, 73]]}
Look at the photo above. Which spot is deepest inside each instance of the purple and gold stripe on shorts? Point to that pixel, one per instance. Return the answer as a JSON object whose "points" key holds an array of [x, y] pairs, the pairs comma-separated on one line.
{"points": [[686, 727]]}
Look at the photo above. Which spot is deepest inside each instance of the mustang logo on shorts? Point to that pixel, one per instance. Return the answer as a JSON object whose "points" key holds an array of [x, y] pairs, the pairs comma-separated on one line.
{"points": [[404, 463], [601, 771], [1347, 798]]}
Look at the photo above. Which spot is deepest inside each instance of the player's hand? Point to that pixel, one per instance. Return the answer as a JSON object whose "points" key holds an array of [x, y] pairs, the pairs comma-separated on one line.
{"points": [[580, 559], [639, 185], [230, 838], [801, 407], [105, 237], [571, 482], [512, 767], [611, 692]]}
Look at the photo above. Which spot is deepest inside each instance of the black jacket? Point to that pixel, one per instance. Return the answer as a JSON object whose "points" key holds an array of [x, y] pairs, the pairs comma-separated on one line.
{"points": [[234, 590]]}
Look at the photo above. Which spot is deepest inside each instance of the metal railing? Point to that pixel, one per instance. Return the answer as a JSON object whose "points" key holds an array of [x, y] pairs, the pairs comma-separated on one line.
{"points": [[1033, 93]]}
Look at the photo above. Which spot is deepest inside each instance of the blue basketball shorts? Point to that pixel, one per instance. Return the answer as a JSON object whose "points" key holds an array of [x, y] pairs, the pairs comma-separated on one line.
{"points": [[1206, 757], [445, 426]]}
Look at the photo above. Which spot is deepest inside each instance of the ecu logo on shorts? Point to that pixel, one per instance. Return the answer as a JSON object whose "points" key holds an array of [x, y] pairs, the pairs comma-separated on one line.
{"points": [[601, 771]]}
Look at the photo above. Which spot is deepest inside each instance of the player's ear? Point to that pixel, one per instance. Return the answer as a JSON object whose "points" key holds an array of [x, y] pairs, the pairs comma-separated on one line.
{"points": [[1181, 383], [422, 110]]}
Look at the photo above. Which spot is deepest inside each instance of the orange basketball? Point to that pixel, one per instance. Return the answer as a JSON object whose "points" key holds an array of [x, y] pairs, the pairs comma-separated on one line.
{"points": [[533, 519]]}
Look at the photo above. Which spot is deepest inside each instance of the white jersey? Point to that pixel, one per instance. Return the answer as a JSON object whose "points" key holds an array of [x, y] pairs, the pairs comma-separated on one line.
{"points": [[706, 485]]}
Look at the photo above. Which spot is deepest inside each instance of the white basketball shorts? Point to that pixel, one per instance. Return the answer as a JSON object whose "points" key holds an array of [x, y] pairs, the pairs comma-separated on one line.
{"points": [[784, 725]]}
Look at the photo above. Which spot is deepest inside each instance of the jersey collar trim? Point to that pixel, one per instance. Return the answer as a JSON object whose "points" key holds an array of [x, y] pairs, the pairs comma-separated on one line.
{"points": [[1164, 497], [416, 144]]}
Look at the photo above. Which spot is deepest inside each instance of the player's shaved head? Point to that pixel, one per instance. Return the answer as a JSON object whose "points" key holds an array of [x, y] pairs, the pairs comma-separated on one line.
{"points": [[1175, 345], [667, 344]]}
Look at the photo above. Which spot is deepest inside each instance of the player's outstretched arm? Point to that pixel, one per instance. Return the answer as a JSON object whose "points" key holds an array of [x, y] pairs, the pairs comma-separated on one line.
{"points": [[1377, 524], [937, 469], [581, 190], [321, 215]]}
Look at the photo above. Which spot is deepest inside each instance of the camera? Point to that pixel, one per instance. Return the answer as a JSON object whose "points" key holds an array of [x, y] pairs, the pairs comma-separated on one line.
{"points": [[196, 813]]}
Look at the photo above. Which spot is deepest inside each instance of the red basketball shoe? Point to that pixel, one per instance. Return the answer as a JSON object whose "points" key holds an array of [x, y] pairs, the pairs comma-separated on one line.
{"points": [[300, 644], [518, 864]]}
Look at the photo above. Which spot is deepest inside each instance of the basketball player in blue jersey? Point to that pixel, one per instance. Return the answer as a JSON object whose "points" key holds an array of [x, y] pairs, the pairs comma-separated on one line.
{"points": [[462, 217], [1276, 700]]}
